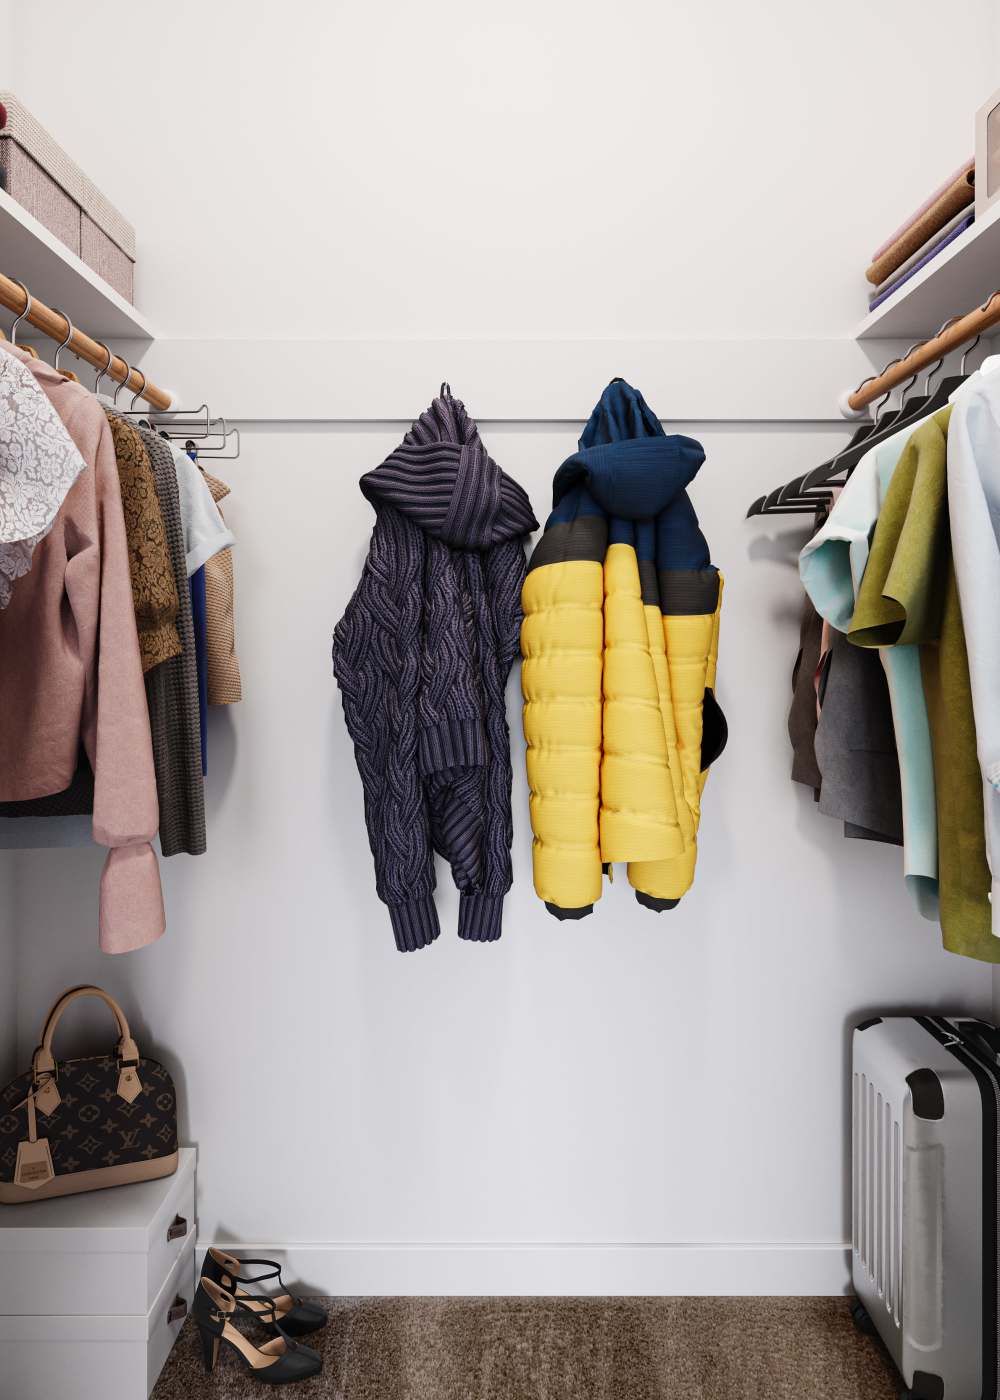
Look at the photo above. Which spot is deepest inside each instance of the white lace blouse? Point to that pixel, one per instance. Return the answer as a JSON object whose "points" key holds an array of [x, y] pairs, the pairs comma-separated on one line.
{"points": [[38, 464]]}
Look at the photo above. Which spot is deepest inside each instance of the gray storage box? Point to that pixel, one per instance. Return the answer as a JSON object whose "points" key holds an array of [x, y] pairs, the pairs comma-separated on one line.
{"points": [[39, 174]]}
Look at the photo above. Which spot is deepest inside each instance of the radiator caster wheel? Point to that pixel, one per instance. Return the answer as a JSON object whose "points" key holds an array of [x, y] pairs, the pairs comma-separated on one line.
{"points": [[862, 1320]]}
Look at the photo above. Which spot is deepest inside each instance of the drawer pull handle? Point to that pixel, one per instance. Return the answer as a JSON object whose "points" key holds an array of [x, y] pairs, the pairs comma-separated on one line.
{"points": [[178, 1229], [178, 1310]]}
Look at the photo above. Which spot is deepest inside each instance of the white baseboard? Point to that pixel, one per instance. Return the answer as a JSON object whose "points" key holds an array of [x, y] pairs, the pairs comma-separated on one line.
{"points": [[434, 1270]]}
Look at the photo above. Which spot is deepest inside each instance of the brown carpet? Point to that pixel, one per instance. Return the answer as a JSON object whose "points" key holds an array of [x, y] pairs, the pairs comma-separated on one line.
{"points": [[570, 1349]]}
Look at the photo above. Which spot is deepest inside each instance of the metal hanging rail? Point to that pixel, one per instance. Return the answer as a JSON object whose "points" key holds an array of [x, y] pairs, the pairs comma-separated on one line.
{"points": [[56, 325], [965, 328]]}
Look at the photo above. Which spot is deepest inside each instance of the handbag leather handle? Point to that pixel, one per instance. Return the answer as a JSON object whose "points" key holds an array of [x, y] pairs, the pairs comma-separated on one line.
{"points": [[43, 1060]]}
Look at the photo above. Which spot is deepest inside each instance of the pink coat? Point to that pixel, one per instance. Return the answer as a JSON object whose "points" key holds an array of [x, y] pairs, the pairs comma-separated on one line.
{"points": [[70, 672]]}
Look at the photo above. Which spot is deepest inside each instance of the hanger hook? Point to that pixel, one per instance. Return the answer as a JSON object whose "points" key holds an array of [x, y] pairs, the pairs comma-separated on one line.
{"points": [[904, 389], [446, 390], [967, 352], [102, 372], [935, 368], [69, 336], [969, 348], [932, 373], [864, 382], [121, 385], [26, 312], [880, 406], [884, 370], [141, 387]]}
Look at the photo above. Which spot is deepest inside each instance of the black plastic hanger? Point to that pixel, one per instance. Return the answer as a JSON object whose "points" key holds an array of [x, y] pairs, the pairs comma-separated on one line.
{"points": [[806, 493]]}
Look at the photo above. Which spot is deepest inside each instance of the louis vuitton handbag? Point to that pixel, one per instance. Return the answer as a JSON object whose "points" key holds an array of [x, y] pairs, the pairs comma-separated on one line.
{"points": [[77, 1125]]}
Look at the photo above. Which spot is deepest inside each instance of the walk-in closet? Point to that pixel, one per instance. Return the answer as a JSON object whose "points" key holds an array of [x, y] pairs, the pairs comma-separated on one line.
{"points": [[499, 677]]}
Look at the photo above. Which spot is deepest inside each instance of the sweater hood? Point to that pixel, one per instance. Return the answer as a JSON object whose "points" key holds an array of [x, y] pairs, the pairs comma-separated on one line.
{"points": [[444, 480], [631, 468]]}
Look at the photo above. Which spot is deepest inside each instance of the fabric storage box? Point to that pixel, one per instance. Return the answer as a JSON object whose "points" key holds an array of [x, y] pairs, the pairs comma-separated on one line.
{"points": [[97, 1357], [89, 1288], [25, 180], [37, 172], [103, 254]]}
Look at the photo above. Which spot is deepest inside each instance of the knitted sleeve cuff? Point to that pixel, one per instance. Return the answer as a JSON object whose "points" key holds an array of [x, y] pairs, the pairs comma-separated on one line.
{"points": [[414, 924], [479, 917], [455, 743]]}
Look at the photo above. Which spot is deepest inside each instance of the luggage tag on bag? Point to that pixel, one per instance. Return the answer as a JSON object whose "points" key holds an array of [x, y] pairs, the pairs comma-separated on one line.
{"points": [[33, 1167], [34, 1164]]}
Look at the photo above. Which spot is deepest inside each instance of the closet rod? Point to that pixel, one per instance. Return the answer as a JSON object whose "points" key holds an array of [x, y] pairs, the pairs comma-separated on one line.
{"points": [[55, 325], [965, 328]]}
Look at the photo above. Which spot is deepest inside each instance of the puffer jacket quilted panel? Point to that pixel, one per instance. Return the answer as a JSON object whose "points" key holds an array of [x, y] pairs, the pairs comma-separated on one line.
{"points": [[562, 645], [620, 645], [638, 809], [691, 642]]}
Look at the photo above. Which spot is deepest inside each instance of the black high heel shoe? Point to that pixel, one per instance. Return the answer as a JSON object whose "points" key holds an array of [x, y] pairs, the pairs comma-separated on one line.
{"points": [[281, 1361], [295, 1317]]}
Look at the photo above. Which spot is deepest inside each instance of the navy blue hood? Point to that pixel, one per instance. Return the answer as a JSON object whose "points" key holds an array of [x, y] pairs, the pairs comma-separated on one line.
{"points": [[628, 470], [626, 461]]}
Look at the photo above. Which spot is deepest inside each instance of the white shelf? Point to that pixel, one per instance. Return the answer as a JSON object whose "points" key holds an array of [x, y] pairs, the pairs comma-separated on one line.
{"points": [[36, 257], [958, 280]]}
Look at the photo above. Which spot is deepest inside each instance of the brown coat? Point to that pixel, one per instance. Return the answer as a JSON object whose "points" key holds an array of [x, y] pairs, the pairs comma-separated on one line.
{"points": [[154, 591]]}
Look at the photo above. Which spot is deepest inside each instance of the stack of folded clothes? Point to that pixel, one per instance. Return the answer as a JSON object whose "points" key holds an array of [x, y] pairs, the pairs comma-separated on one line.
{"points": [[941, 218]]}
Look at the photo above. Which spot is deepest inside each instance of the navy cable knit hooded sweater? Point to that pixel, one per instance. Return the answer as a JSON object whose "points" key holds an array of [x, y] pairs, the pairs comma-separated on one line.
{"points": [[421, 656]]}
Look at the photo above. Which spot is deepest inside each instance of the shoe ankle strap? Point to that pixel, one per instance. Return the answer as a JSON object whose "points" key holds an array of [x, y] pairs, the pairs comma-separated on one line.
{"points": [[215, 1306], [272, 1269]]}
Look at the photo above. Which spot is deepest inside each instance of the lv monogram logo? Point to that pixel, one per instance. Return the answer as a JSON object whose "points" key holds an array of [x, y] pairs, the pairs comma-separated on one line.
{"points": [[93, 1125]]}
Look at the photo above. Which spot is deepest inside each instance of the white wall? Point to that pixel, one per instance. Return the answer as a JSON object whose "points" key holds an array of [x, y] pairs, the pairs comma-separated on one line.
{"points": [[631, 1104], [7, 74], [548, 169], [629, 1080]]}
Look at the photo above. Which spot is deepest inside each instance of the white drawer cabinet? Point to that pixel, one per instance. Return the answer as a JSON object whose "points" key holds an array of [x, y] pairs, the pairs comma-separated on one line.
{"points": [[105, 1252], [87, 1284], [99, 1357]]}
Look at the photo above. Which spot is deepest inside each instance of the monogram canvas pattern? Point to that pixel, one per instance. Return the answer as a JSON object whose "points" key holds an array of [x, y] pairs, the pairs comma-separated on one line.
{"points": [[93, 1127]]}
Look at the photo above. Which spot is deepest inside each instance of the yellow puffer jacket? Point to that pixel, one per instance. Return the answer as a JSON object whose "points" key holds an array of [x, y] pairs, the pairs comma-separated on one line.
{"points": [[620, 642]]}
